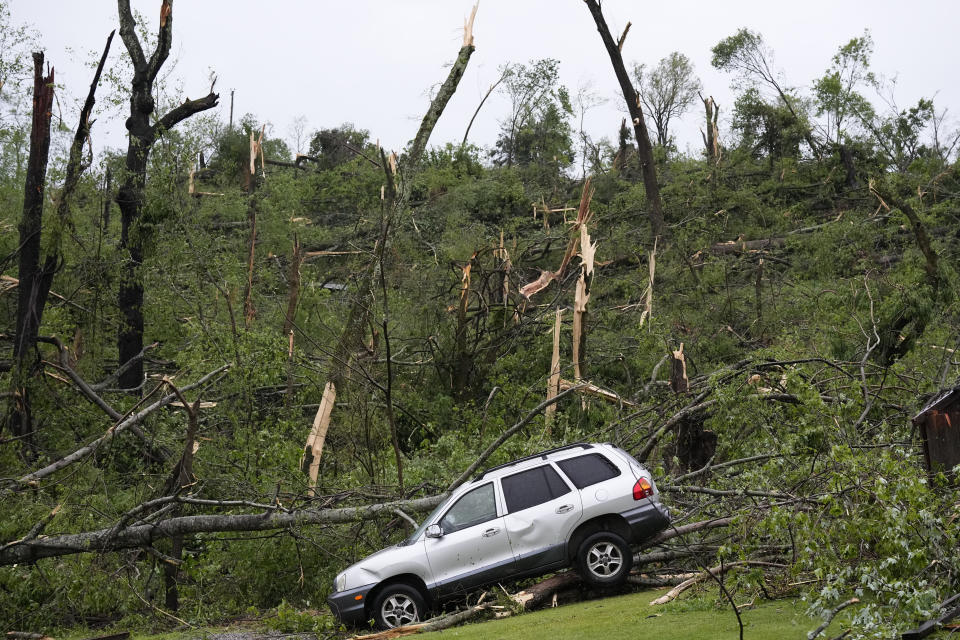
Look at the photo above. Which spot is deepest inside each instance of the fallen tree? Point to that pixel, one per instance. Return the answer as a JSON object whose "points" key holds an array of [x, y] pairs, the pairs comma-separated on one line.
{"points": [[142, 525]]}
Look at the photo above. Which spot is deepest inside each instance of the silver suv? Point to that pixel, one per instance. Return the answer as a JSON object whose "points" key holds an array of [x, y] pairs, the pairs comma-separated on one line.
{"points": [[581, 505]]}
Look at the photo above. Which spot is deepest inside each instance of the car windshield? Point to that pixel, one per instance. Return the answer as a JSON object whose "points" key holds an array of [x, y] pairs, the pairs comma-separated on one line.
{"points": [[423, 524]]}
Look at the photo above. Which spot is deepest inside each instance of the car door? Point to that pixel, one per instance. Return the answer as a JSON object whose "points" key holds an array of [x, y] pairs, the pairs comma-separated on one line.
{"points": [[474, 548], [542, 510]]}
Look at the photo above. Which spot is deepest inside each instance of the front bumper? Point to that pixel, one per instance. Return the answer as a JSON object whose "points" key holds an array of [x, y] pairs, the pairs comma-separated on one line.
{"points": [[349, 607], [647, 520]]}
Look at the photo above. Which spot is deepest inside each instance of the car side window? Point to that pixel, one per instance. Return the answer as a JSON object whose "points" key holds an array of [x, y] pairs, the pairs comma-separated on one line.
{"points": [[590, 469], [476, 506], [532, 487]]}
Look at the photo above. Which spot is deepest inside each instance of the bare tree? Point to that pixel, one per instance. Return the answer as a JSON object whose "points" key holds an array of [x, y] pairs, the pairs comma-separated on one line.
{"points": [[667, 91], [144, 132], [298, 133]]}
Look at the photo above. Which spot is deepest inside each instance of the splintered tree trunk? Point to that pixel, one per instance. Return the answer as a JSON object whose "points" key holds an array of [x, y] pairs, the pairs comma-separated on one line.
{"points": [[461, 359], [582, 297], [644, 148], [28, 273], [394, 200], [711, 139], [553, 380]]}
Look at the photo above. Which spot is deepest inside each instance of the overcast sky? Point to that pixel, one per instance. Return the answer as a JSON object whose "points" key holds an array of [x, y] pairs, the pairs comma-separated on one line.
{"points": [[374, 62]]}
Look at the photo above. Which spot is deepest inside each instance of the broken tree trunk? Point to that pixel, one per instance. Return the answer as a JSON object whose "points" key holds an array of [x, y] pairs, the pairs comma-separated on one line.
{"points": [[678, 371], [462, 361], [647, 313], [711, 139], [535, 595], [394, 200], [251, 184], [144, 129], [28, 272], [583, 217], [644, 149], [553, 380], [582, 293]]}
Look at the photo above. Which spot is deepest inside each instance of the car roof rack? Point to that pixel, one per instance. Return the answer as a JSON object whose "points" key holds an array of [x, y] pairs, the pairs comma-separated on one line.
{"points": [[542, 454]]}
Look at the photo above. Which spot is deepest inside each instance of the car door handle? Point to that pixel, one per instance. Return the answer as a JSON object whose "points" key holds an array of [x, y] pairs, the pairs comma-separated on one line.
{"points": [[565, 508], [491, 532]]}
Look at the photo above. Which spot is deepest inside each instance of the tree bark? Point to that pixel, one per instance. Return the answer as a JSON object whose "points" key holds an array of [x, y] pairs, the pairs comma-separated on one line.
{"points": [[644, 149], [28, 272], [141, 535], [130, 196]]}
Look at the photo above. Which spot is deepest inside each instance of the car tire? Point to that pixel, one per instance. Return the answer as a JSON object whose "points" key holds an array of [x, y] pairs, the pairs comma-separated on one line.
{"points": [[604, 559], [397, 605]]}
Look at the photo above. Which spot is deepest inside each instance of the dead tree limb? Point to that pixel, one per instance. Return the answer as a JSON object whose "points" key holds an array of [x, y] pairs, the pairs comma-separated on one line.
{"points": [[830, 616], [85, 451], [712, 573], [503, 76], [91, 394]]}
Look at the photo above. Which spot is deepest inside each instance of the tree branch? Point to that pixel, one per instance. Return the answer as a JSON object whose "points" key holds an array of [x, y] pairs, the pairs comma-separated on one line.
{"points": [[83, 452]]}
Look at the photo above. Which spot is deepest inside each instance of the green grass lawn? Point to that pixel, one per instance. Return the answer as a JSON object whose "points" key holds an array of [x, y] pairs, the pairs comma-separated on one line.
{"points": [[632, 616]]}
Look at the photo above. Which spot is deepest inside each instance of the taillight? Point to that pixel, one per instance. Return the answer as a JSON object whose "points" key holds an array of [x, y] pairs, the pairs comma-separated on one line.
{"points": [[643, 489]]}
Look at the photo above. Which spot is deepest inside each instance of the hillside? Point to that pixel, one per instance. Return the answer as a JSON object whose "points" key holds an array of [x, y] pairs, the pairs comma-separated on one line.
{"points": [[317, 333]]}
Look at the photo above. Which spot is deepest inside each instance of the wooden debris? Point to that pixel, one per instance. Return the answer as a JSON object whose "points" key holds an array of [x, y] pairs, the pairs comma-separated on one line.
{"points": [[583, 216], [537, 594], [678, 371], [198, 405], [740, 246], [712, 572], [593, 390], [553, 381], [582, 297], [318, 434], [648, 304]]}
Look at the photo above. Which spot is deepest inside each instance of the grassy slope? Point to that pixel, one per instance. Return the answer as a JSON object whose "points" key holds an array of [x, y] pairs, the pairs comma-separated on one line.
{"points": [[620, 616]]}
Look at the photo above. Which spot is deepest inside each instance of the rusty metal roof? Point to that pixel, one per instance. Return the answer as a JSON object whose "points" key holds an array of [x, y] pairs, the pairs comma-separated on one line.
{"points": [[939, 401]]}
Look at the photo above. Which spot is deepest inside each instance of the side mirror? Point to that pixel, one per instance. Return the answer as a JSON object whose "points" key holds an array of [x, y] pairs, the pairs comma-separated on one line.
{"points": [[434, 531]]}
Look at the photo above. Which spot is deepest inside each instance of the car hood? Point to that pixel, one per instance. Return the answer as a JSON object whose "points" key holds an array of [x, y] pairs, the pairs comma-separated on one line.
{"points": [[387, 563]]}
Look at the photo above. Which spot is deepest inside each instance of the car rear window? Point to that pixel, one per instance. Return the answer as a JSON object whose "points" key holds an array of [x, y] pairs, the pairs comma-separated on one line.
{"points": [[590, 469], [532, 487]]}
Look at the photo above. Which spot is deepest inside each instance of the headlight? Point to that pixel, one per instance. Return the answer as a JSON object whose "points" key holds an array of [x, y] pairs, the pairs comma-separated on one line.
{"points": [[340, 584]]}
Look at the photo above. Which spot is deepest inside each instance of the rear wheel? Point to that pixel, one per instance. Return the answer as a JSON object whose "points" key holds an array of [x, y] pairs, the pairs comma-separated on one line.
{"points": [[398, 605], [604, 559]]}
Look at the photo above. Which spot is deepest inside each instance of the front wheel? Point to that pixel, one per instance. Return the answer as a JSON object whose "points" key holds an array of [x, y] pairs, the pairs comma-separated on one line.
{"points": [[604, 559], [398, 605]]}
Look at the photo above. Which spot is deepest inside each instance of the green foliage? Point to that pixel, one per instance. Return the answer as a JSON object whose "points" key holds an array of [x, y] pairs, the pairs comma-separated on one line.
{"points": [[536, 136], [667, 91], [813, 351]]}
